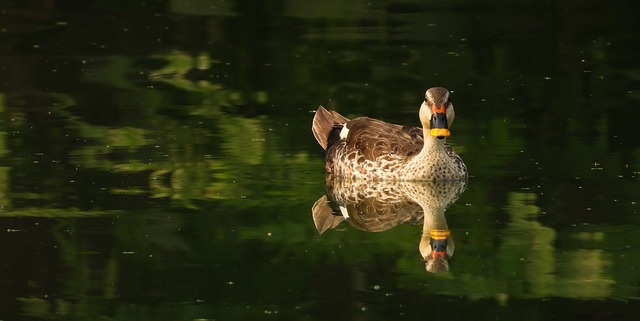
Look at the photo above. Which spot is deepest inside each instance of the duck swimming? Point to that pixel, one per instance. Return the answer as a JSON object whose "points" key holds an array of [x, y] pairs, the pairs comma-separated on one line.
{"points": [[366, 148]]}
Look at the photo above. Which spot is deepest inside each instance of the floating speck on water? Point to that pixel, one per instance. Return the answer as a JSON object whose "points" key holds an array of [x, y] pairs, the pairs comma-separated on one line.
{"points": [[376, 287]]}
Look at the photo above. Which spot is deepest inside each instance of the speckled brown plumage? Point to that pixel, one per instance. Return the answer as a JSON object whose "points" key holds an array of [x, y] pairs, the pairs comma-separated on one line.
{"points": [[373, 149]]}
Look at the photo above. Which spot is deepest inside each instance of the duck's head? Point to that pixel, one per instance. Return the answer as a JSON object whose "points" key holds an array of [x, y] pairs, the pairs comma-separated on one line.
{"points": [[436, 112]]}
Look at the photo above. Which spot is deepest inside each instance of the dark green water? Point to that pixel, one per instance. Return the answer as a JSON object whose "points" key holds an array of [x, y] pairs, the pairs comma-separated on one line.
{"points": [[157, 163]]}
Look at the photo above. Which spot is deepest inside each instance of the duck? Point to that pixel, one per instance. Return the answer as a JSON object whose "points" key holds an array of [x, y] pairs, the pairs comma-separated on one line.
{"points": [[371, 149]]}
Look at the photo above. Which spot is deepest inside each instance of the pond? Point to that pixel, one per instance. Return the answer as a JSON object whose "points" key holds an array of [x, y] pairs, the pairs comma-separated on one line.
{"points": [[157, 161]]}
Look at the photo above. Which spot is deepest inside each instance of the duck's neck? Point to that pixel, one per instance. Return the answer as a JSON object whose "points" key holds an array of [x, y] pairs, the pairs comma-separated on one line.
{"points": [[432, 145], [434, 219], [430, 163]]}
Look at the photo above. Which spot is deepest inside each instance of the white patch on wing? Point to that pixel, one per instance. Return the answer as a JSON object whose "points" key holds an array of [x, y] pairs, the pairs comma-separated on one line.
{"points": [[344, 132], [344, 212]]}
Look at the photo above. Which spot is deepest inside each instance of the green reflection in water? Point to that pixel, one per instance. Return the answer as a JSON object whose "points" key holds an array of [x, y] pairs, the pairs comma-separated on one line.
{"points": [[161, 166]]}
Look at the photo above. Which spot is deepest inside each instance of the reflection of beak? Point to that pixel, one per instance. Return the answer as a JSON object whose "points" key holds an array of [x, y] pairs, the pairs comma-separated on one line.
{"points": [[439, 242], [439, 127], [439, 248]]}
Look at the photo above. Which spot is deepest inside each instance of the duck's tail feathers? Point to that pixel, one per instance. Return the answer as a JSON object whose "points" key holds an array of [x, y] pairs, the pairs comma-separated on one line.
{"points": [[324, 122], [323, 216]]}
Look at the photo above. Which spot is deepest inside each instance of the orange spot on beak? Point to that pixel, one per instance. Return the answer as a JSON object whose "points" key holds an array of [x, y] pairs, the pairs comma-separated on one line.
{"points": [[439, 254], [436, 109]]}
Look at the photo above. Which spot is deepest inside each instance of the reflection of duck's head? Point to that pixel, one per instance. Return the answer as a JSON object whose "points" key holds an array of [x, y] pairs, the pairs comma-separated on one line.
{"points": [[436, 248]]}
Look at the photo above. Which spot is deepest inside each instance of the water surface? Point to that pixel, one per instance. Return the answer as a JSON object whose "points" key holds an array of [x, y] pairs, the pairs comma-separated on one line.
{"points": [[157, 163]]}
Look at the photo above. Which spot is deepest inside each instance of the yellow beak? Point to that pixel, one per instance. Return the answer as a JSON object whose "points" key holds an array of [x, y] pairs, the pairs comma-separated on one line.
{"points": [[439, 132]]}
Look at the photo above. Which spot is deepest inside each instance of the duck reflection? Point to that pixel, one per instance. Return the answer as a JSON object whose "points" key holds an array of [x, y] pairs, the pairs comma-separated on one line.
{"points": [[376, 206]]}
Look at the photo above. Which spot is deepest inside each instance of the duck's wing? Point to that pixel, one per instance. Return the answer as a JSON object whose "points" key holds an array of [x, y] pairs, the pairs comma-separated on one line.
{"points": [[374, 138]]}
